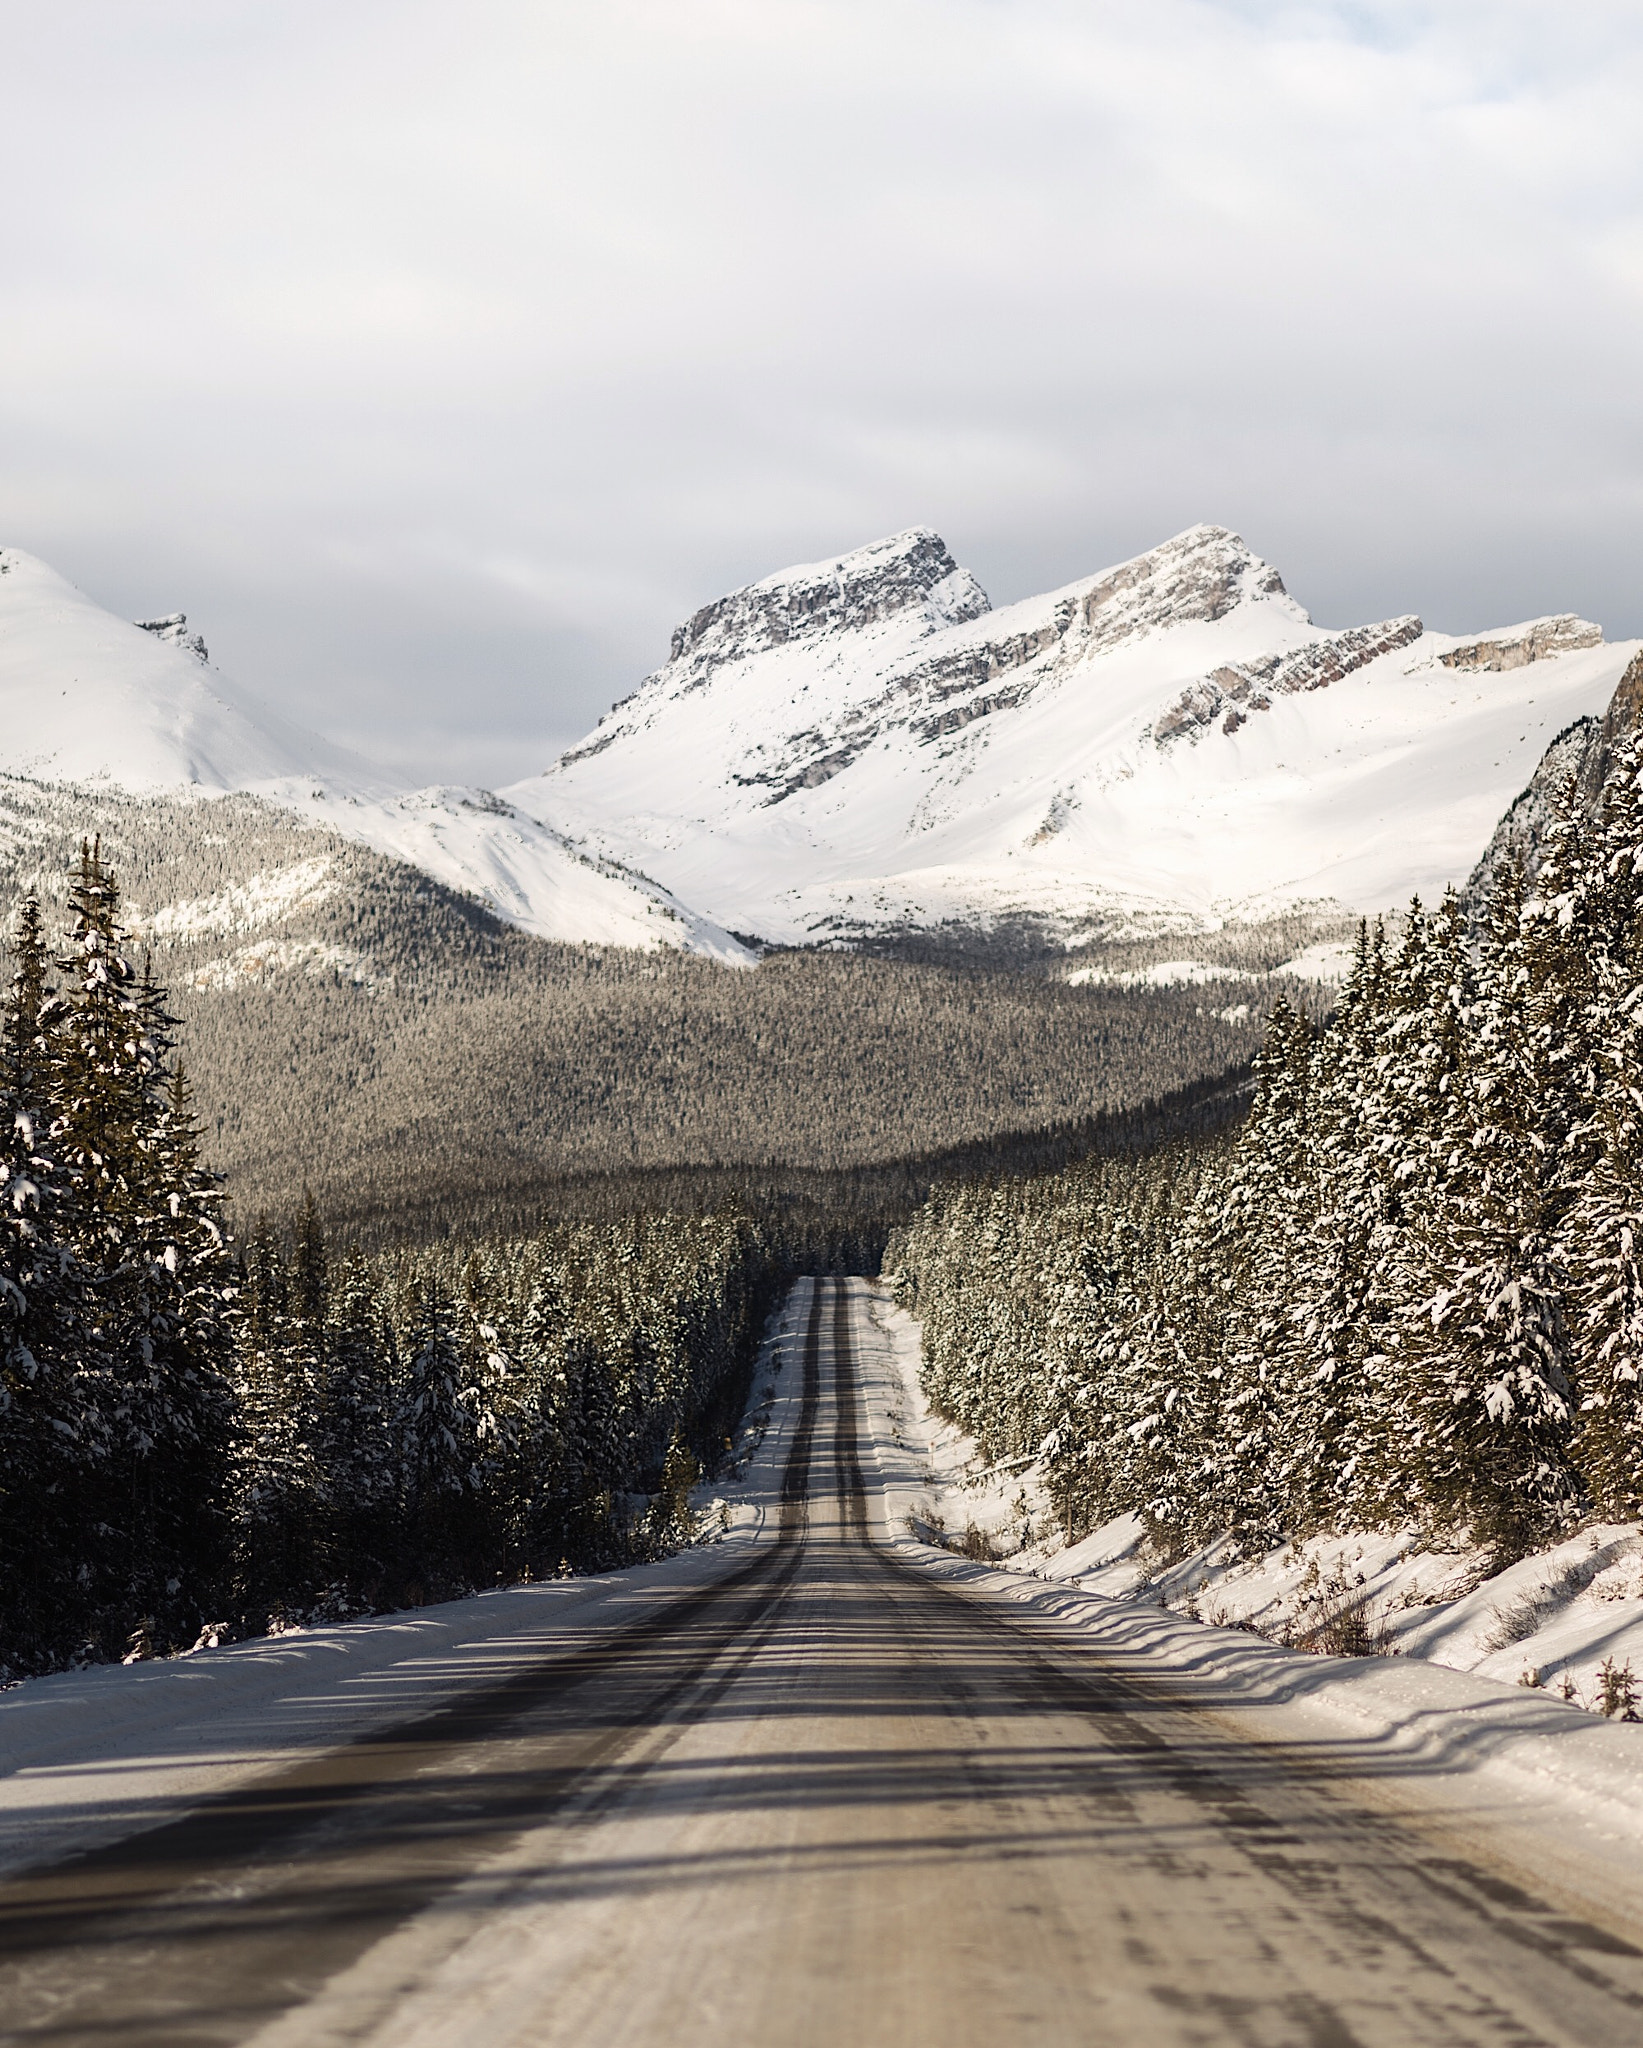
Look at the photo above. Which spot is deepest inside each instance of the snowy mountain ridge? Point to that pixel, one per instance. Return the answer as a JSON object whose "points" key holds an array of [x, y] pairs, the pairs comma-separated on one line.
{"points": [[92, 700], [865, 745]]}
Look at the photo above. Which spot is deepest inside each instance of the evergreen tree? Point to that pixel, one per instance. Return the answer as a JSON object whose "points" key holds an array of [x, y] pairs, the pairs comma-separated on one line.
{"points": [[159, 1272], [355, 1440], [277, 1482], [52, 1443], [1601, 911]]}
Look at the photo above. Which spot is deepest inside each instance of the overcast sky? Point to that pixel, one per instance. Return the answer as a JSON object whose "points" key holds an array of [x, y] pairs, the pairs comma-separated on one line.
{"points": [[436, 358]]}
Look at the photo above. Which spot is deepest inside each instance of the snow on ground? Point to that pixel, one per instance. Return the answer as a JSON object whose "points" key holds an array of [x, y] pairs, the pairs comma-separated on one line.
{"points": [[1163, 974], [1549, 1622], [272, 897], [88, 697], [1326, 962], [266, 958], [93, 700], [528, 873], [90, 1756]]}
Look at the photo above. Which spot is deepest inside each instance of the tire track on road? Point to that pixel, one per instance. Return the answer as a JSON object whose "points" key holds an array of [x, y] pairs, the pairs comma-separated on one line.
{"points": [[207, 1926]]}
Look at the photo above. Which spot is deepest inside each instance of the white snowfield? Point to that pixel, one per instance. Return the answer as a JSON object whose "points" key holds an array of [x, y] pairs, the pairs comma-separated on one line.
{"points": [[95, 1756], [1163, 746], [90, 699], [863, 744], [526, 872]]}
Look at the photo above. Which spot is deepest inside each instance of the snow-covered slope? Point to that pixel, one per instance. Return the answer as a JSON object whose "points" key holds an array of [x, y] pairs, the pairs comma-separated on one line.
{"points": [[87, 698], [472, 840], [863, 743]]}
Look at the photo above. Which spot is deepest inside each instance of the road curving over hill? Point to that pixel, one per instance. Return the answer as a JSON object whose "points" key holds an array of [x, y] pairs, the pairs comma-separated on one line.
{"points": [[822, 1799]]}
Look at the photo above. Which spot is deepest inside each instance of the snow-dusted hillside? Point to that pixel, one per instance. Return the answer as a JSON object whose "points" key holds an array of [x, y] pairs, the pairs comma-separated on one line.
{"points": [[863, 743], [89, 699]]}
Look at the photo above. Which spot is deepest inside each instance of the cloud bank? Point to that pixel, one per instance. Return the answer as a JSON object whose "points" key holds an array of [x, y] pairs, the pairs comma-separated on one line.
{"points": [[437, 359]]}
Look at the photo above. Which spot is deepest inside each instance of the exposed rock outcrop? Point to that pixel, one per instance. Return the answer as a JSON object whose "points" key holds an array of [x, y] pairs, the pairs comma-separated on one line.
{"points": [[173, 629], [1569, 777], [906, 572], [1251, 685], [1520, 645]]}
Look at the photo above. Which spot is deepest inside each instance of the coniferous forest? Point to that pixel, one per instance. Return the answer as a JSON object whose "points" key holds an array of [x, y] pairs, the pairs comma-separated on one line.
{"points": [[1410, 1291], [199, 1439], [1410, 1287]]}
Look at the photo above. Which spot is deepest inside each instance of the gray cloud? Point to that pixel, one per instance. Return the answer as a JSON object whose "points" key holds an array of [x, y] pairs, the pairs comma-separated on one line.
{"points": [[436, 360]]}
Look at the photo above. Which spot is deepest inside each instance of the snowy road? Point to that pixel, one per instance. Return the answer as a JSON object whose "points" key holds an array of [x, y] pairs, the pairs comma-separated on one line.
{"points": [[825, 1798]]}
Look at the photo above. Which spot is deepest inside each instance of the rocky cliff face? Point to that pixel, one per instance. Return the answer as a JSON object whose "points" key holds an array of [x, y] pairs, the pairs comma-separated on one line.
{"points": [[948, 660], [909, 572], [908, 582], [1242, 687], [1517, 646], [1569, 777]]}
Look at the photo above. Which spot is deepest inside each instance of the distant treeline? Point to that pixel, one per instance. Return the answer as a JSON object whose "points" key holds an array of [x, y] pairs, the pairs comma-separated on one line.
{"points": [[842, 1217], [436, 1105], [1410, 1292]]}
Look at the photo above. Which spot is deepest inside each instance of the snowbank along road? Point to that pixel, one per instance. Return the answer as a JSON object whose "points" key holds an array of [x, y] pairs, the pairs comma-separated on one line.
{"points": [[817, 1795]]}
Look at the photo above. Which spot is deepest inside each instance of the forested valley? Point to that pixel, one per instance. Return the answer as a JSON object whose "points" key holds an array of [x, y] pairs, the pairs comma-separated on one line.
{"points": [[1410, 1291], [1407, 1283], [357, 1032], [216, 1420]]}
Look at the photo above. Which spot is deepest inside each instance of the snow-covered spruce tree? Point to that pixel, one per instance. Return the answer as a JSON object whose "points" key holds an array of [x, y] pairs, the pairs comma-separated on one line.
{"points": [[158, 1270], [1483, 1349], [1398, 1125], [1597, 915], [277, 1479], [1253, 1236], [52, 1439], [355, 1445], [446, 1443], [1117, 1391], [1339, 1307], [538, 1481]]}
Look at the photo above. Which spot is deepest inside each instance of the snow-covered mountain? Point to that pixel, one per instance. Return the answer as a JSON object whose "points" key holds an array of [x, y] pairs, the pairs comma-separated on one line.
{"points": [[90, 699], [864, 744]]}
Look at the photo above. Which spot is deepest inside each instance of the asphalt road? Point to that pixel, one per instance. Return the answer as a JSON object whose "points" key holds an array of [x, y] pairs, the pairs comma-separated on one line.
{"points": [[824, 1800]]}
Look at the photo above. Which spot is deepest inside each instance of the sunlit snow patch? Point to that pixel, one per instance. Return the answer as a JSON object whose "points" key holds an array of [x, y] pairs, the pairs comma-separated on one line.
{"points": [[263, 899], [1327, 962], [270, 957], [1163, 974]]}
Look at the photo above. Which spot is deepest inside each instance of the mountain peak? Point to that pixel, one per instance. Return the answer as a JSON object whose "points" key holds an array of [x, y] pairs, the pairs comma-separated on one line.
{"points": [[1203, 573], [902, 574], [1170, 737]]}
